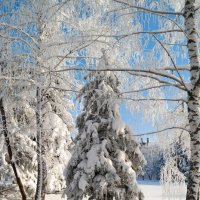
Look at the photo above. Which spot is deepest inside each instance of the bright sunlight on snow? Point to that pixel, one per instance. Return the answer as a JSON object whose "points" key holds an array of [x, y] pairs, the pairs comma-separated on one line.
{"points": [[152, 191]]}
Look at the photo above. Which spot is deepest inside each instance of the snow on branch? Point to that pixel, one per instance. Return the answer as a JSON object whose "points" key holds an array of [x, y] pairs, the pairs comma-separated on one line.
{"points": [[175, 67], [159, 72], [21, 31], [16, 38], [179, 86], [136, 33], [154, 99], [148, 10], [181, 68]]}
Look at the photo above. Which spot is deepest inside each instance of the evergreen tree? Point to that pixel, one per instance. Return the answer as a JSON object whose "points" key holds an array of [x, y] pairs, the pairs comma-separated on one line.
{"points": [[106, 157], [181, 158], [56, 125], [155, 160]]}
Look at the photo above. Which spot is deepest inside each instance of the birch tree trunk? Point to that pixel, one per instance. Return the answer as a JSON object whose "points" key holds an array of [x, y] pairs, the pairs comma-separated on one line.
{"points": [[193, 102], [10, 154], [39, 144]]}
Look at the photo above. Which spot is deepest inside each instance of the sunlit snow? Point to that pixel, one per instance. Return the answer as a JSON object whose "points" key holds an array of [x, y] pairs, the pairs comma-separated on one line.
{"points": [[152, 191]]}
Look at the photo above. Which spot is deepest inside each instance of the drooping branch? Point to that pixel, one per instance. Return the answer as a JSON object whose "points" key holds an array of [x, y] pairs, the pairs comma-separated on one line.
{"points": [[139, 72], [151, 70]]}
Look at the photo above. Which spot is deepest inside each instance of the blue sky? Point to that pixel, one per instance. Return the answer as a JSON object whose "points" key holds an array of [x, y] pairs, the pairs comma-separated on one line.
{"points": [[132, 119]]}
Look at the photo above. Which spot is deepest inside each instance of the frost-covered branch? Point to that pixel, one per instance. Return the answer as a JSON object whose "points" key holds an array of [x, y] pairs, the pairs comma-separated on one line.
{"points": [[74, 50], [172, 60], [147, 9], [20, 30], [154, 99], [15, 39], [150, 70], [16, 79], [138, 72], [121, 36], [158, 79]]}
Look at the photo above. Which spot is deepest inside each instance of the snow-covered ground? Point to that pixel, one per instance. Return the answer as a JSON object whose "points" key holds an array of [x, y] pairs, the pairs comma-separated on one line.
{"points": [[152, 191], [56, 197]]}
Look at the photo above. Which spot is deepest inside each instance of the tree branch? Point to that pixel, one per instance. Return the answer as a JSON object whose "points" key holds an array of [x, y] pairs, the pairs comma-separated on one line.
{"points": [[158, 79], [159, 131], [145, 89], [148, 10], [148, 71], [183, 83], [154, 99]]}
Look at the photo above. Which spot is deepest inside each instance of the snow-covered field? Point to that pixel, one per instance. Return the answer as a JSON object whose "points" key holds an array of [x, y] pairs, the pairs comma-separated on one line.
{"points": [[152, 191], [55, 197]]}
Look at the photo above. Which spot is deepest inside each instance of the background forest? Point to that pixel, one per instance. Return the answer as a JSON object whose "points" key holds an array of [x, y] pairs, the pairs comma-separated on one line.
{"points": [[95, 94]]}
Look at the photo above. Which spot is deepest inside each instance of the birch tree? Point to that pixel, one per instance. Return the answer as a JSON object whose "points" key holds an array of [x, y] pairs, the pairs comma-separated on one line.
{"points": [[38, 49]]}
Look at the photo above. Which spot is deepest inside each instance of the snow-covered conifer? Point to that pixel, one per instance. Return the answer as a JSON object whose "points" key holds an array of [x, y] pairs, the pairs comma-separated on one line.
{"points": [[56, 125], [106, 157]]}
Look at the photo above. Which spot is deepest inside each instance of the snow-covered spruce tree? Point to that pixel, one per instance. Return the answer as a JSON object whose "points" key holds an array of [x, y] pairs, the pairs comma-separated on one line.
{"points": [[106, 157], [56, 125], [154, 157]]}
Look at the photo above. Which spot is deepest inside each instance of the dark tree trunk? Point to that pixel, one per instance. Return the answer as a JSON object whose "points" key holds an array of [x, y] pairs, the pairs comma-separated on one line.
{"points": [[7, 140], [39, 145]]}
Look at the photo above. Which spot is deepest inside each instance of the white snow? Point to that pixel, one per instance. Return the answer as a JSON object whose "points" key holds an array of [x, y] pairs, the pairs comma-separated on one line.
{"points": [[82, 182], [57, 197], [152, 191]]}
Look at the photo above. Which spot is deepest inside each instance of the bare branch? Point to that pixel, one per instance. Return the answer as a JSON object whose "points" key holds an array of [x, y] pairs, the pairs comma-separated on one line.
{"points": [[163, 130], [145, 89]]}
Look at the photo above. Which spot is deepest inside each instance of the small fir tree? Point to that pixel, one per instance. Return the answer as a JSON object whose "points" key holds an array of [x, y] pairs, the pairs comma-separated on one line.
{"points": [[106, 156]]}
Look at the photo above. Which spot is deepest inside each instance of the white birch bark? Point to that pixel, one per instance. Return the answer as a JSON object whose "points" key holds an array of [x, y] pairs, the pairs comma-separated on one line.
{"points": [[193, 102]]}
